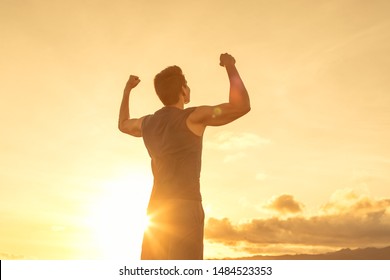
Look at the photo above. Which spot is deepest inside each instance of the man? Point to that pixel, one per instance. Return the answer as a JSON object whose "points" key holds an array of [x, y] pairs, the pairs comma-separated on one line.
{"points": [[173, 137]]}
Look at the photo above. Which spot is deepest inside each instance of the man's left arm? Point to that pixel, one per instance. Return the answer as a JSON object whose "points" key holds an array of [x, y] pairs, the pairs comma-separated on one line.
{"points": [[131, 126]]}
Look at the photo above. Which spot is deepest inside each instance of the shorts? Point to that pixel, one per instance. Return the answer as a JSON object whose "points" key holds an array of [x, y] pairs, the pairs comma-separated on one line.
{"points": [[175, 231]]}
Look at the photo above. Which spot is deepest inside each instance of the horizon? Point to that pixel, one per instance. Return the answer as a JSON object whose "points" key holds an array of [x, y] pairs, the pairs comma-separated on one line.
{"points": [[306, 171], [370, 253]]}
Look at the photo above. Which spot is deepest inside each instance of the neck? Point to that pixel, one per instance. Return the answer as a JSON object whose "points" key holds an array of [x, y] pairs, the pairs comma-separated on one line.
{"points": [[179, 105]]}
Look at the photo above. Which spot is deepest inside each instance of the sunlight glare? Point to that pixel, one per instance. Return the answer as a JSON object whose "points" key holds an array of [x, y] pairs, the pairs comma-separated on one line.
{"points": [[118, 217]]}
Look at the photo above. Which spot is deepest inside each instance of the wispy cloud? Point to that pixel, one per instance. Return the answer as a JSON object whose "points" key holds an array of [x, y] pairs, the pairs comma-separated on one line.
{"points": [[235, 145], [355, 202], [234, 157], [228, 141], [7, 256], [348, 220]]}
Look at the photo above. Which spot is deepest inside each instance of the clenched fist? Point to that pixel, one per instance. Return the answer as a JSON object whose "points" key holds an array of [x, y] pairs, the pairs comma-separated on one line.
{"points": [[226, 59], [132, 83]]}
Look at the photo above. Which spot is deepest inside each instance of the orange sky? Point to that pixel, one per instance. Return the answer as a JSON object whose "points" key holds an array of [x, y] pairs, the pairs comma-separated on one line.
{"points": [[309, 162]]}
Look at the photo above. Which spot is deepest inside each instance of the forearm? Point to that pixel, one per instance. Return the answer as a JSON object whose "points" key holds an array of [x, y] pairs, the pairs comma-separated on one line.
{"points": [[124, 112], [238, 95]]}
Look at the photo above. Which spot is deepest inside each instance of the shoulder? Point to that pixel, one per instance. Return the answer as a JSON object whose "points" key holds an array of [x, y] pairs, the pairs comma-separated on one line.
{"points": [[188, 111], [145, 119]]}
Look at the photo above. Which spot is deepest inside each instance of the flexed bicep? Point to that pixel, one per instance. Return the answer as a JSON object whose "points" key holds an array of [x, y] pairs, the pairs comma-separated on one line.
{"points": [[215, 115]]}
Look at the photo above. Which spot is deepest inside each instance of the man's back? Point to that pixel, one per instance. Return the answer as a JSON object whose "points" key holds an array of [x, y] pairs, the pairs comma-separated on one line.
{"points": [[175, 152]]}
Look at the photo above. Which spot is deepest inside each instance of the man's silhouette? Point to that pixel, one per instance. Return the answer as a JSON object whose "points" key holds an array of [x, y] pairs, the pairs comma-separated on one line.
{"points": [[173, 137]]}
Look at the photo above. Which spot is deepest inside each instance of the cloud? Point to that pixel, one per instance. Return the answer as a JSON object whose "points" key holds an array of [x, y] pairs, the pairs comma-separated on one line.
{"points": [[348, 220], [7, 256], [235, 145], [234, 157], [285, 204], [355, 202], [228, 141]]}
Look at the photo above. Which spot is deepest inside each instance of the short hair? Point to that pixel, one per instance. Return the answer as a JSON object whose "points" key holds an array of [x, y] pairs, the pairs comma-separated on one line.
{"points": [[168, 84]]}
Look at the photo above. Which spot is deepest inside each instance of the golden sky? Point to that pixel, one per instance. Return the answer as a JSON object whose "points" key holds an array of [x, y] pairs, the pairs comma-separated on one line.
{"points": [[307, 170]]}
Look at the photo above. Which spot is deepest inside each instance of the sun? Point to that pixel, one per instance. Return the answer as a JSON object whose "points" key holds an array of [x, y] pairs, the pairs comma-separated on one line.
{"points": [[118, 217], [145, 222]]}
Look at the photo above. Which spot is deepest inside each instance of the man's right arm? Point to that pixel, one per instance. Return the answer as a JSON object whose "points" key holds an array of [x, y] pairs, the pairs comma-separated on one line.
{"points": [[238, 105], [131, 126]]}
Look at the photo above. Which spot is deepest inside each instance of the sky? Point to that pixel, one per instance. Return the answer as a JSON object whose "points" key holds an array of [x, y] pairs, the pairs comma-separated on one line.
{"points": [[306, 171]]}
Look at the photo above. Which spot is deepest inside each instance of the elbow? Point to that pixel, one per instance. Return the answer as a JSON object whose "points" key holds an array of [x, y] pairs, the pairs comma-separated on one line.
{"points": [[120, 127], [123, 130], [245, 110], [241, 111]]}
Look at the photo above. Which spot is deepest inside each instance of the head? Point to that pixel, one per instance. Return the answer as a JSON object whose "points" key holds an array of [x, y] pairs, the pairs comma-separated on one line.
{"points": [[171, 85]]}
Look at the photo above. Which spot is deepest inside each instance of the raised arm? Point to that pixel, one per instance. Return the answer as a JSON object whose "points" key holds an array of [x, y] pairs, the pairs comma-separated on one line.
{"points": [[238, 105], [126, 124], [238, 95]]}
